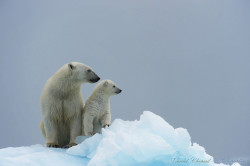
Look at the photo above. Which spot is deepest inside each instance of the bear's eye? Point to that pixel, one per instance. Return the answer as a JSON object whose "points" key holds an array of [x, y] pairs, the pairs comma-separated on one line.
{"points": [[88, 70], [113, 86]]}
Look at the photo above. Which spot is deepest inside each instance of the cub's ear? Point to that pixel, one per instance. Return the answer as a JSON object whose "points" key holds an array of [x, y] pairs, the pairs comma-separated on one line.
{"points": [[71, 66], [105, 83]]}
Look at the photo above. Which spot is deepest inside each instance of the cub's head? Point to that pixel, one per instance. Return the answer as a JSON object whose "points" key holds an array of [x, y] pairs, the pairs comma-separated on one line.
{"points": [[82, 72], [109, 87]]}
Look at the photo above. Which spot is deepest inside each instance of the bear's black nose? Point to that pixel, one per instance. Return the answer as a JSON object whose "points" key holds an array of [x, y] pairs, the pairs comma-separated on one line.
{"points": [[119, 91], [94, 79]]}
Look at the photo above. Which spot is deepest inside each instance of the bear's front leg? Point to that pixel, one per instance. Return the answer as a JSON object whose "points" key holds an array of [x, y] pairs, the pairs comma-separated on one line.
{"points": [[51, 133], [75, 130], [106, 118]]}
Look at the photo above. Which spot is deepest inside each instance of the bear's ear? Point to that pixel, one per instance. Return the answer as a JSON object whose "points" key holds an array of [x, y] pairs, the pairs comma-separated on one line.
{"points": [[71, 66], [105, 83]]}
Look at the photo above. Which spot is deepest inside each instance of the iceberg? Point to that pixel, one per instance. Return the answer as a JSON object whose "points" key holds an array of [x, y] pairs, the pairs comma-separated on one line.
{"points": [[147, 141]]}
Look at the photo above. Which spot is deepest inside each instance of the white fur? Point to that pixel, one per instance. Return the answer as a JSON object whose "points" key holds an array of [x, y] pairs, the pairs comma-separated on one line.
{"points": [[97, 108], [62, 104]]}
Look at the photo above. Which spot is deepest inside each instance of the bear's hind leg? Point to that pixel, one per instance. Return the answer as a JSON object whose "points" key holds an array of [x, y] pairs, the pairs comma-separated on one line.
{"points": [[42, 128]]}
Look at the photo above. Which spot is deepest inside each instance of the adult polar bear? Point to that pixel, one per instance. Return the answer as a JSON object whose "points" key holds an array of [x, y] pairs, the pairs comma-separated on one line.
{"points": [[62, 104]]}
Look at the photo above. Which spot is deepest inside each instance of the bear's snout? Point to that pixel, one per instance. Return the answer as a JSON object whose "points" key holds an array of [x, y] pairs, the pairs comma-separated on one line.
{"points": [[93, 80], [118, 91]]}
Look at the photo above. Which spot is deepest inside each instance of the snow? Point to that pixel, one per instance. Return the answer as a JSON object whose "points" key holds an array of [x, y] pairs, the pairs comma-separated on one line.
{"points": [[148, 141], [38, 155]]}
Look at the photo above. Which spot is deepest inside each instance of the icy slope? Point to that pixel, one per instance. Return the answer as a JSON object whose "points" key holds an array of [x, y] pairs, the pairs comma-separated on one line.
{"points": [[149, 141]]}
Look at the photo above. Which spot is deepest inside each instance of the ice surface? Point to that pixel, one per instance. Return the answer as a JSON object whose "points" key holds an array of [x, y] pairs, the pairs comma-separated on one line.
{"points": [[149, 141], [38, 155]]}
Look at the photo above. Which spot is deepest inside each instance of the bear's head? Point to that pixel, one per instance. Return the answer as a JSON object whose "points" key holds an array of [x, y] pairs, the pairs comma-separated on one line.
{"points": [[82, 73], [109, 87]]}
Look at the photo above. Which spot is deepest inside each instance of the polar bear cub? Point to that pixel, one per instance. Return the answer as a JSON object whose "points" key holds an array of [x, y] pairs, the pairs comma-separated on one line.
{"points": [[96, 112]]}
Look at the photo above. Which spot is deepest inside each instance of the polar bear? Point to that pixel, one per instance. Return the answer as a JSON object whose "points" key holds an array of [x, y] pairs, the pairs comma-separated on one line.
{"points": [[62, 104], [96, 112]]}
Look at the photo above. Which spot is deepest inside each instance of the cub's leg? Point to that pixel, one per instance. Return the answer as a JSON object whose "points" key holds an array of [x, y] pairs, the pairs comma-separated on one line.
{"points": [[88, 123], [105, 120]]}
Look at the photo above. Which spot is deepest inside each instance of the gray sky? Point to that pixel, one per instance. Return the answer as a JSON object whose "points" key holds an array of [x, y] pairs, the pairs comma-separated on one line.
{"points": [[187, 61]]}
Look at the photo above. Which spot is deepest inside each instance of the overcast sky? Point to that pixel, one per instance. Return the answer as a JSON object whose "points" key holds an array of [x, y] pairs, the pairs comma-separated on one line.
{"points": [[185, 60]]}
